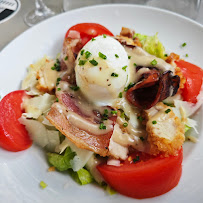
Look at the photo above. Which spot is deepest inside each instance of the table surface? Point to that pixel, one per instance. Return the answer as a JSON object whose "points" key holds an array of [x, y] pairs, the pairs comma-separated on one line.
{"points": [[15, 26]]}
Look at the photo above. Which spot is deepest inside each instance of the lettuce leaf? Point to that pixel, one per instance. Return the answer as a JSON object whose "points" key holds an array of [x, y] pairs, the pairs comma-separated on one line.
{"points": [[61, 162], [110, 190], [187, 128], [82, 176], [151, 44]]}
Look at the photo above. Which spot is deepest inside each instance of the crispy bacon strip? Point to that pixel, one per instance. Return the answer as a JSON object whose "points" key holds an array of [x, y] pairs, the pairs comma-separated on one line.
{"points": [[152, 88], [172, 57], [58, 117], [96, 143], [71, 47], [127, 32], [127, 37]]}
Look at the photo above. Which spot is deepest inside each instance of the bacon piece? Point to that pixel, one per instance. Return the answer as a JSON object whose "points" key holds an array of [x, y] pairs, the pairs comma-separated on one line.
{"points": [[168, 85], [69, 102], [71, 47], [129, 42], [96, 143], [172, 57], [127, 32], [152, 88], [127, 37]]}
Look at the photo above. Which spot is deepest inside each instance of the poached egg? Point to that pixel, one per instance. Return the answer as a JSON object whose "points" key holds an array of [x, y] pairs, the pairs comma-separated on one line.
{"points": [[102, 70]]}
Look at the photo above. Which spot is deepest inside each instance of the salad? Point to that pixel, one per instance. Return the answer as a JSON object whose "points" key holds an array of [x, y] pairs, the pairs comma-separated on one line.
{"points": [[110, 109]]}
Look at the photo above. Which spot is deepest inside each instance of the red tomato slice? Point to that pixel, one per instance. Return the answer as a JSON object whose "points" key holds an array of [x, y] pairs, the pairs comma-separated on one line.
{"points": [[87, 31], [13, 135], [145, 178], [194, 78]]}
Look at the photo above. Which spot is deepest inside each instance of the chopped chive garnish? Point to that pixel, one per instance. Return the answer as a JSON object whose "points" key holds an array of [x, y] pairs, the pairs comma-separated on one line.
{"points": [[74, 88], [57, 100], [134, 64], [66, 58], [120, 95], [93, 39], [124, 68], [43, 185], [125, 124], [168, 110], [59, 89], [93, 62], [129, 57], [105, 115], [136, 159], [114, 112], [106, 111], [114, 74], [82, 52], [186, 55], [102, 126], [116, 55], [142, 138], [57, 65], [104, 36], [122, 115], [57, 81], [154, 122], [140, 118], [129, 86], [82, 62], [102, 56], [87, 54], [184, 44], [154, 62]]}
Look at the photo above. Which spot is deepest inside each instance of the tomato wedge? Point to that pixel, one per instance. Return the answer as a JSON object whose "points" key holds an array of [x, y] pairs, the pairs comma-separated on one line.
{"points": [[87, 31], [194, 78], [13, 135], [148, 177]]}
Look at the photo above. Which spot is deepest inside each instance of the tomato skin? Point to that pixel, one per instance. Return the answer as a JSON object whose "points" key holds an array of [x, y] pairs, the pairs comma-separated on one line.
{"points": [[13, 135], [194, 78], [87, 31], [144, 179]]}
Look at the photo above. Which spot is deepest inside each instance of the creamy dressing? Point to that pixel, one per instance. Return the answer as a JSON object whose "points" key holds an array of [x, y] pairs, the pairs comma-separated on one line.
{"points": [[87, 126], [48, 76], [142, 58], [165, 125], [87, 108], [95, 80]]}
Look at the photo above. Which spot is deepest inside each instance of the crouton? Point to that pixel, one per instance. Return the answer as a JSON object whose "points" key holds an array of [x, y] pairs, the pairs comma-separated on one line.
{"points": [[47, 77], [165, 130]]}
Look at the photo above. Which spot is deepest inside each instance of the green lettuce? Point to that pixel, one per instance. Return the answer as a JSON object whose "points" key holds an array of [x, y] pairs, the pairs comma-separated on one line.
{"points": [[62, 163], [151, 44], [187, 128], [82, 176]]}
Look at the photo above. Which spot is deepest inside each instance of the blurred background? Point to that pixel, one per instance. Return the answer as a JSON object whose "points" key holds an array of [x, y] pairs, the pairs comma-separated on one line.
{"points": [[25, 10]]}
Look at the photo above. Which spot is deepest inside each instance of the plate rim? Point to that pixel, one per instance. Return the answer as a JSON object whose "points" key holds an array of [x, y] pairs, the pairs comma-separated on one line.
{"points": [[12, 43], [101, 6]]}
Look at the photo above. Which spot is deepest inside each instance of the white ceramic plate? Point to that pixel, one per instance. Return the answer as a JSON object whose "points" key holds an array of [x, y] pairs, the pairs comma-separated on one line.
{"points": [[20, 173]]}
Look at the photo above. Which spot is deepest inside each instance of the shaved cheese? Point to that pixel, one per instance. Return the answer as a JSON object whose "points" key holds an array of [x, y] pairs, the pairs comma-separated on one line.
{"points": [[35, 106], [36, 130], [82, 155], [40, 135], [91, 165], [113, 162], [30, 81]]}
